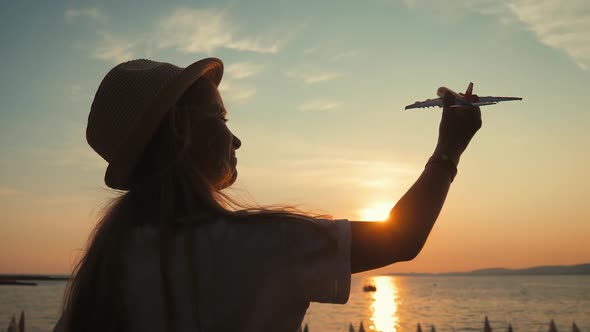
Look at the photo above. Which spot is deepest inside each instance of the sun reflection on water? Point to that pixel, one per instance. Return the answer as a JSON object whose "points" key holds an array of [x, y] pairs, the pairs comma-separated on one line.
{"points": [[384, 315]]}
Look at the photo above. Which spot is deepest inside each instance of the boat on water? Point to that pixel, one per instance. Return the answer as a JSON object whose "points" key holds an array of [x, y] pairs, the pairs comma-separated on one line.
{"points": [[369, 288]]}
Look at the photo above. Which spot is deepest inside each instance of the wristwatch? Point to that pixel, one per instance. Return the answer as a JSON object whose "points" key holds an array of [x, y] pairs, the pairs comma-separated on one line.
{"points": [[445, 162]]}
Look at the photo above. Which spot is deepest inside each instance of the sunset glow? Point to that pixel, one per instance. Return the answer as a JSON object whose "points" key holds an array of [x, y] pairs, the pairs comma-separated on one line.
{"points": [[316, 94], [384, 308], [375, 212]]}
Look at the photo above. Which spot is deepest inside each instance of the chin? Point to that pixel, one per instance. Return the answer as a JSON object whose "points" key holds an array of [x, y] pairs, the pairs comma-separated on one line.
{"points": [[230, 180], [233, 178]]}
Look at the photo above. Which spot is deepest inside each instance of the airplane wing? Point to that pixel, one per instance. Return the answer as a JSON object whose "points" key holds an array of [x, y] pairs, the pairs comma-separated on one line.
{"points": [[426, 103], [485, 103], [490, 99]]}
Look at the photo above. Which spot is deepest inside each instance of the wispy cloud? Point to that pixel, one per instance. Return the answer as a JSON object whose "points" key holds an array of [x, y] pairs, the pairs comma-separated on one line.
{"points": [[319, 105], [241, 70], [410, 3], [82, 13], [311, 78], [76, 94], [204, 31], [78, 156], [310, 50], [487, 7], [345, 54], [74, 152], [63, 200], [365, 165], [558, 25], [188, 30], [239, 93], [7, 191], [113, 49], [328, 170], [236, 93], [555, 24]]}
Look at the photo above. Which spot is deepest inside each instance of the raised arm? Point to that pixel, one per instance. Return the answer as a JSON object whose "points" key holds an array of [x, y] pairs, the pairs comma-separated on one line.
{"points": [[403, 234]]}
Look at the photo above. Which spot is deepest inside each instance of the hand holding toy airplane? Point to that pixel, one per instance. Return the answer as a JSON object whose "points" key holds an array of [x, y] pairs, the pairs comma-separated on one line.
{"points": [[461, 100]]}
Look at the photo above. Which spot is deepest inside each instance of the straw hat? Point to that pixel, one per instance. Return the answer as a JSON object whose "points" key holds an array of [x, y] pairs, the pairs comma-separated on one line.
{"points": [[129, 105]]}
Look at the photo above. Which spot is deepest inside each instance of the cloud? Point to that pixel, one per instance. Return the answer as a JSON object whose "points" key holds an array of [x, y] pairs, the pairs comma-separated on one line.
{"points": [[204, 31], [79, 156], [555, 24], [558, 25], [487, 7], [310, 50], [7, 191], [188, 31], [92, 13], [63, 200], [319, 105], [241, 70], [74, 152], [239, 94], [367, 175], [311, 78], [361, 165], [410, 3], [77, 94], [113, 49], [346, 54]]}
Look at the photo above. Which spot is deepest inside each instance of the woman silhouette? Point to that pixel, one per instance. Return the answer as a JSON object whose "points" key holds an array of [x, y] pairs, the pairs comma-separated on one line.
{"points": [[173, 253]]}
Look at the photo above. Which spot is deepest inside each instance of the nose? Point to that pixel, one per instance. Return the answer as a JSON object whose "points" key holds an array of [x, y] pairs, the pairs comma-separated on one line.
{"points": [[236, 142]]}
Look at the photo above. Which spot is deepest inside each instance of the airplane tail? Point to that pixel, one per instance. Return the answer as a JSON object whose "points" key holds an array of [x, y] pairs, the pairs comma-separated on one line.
{"points": [[468, 92]]}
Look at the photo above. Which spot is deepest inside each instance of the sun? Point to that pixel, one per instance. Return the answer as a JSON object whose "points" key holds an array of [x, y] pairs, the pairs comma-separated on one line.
{"points": [[375, 212]]}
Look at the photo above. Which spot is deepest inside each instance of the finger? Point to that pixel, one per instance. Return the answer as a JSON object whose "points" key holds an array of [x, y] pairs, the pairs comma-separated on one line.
{"points": [[465, 108], [469, 112], [478, 114], [448, 100], [477, 110]]}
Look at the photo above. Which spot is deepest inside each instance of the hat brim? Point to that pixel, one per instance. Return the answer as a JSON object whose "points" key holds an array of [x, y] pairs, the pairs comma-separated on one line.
{"points": [[123, 163]]}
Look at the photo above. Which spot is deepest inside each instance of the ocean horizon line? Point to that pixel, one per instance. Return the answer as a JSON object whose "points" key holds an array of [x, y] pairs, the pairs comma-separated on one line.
{"points": [[577, 269]]}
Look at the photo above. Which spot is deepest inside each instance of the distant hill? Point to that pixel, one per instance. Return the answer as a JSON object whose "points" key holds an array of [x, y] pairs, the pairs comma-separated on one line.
{"points": [[580, 269], [32, 277]]}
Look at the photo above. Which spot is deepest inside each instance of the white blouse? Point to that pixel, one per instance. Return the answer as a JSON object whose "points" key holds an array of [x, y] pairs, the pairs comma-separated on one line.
{"points": [[250, 276]]}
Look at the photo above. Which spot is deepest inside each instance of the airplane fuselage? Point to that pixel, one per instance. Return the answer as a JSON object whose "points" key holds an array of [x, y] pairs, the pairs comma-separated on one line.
{"points": [[461, 100], [459, 97]]}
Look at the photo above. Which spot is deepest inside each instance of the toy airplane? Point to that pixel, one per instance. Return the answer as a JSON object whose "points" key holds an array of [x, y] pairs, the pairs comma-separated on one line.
{"points": [[461, 100]]}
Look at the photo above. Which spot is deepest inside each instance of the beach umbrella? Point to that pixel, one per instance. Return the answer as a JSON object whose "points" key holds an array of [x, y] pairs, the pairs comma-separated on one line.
{"points": [[486, 325], [575, 328]]}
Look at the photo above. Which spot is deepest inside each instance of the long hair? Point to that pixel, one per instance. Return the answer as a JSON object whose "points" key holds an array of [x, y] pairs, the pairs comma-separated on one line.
{"points": [[167, 191]]}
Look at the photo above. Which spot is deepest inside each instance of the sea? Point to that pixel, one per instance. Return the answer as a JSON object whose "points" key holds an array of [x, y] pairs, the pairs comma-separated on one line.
{"points": [[449, 303]]}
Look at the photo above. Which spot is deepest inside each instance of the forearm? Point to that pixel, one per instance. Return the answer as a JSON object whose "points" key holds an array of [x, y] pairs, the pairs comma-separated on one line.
{"points": [[415, 213], [403, 234]]}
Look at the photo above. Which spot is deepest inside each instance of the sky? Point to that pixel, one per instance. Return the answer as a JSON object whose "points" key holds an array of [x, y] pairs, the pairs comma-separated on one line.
{"points": [[316, 92]]}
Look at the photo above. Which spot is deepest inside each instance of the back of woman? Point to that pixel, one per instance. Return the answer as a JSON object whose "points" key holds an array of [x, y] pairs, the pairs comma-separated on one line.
{"points": [[248, 277], [175, 253]]}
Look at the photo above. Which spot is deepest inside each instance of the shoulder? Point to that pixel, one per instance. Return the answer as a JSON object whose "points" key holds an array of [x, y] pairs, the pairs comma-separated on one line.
{"points": [[312, 256], [284, 233], [321, 259]]}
